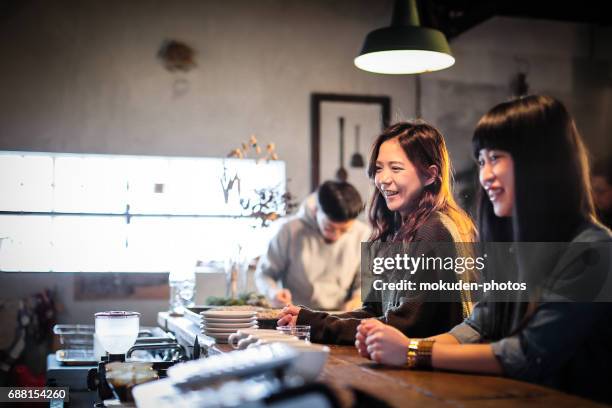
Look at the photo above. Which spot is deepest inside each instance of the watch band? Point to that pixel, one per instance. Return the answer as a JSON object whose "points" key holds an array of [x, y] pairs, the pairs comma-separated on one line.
{"points": [[419, 353], [411, 356]]}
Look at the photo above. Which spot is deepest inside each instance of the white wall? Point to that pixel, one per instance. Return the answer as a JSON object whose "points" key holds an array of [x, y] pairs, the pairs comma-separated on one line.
{"points": [[82, 76]]}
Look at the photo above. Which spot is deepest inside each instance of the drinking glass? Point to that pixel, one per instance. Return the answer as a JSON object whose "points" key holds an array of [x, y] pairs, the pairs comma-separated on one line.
{"points": [[301, 332]]}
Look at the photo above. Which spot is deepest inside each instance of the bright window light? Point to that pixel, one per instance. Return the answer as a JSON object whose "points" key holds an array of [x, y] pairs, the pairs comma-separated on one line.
{"points": [[26, 182], [112, 213], [93, 184]]}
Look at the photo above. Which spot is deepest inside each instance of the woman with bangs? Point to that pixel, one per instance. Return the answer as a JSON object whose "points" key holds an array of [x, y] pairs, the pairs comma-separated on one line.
{"points": [[535, 189], [412, 204]]}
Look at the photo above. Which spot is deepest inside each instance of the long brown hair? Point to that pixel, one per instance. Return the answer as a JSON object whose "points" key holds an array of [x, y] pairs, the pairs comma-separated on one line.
{"points": [[424, 146]]}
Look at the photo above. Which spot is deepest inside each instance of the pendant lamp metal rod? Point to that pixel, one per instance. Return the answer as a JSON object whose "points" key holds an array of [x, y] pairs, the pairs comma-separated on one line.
{"points": [[405, 13]]}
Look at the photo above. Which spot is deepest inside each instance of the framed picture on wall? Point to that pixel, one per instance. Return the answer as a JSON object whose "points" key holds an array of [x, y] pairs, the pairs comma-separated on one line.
{"points": [[343, 128]]}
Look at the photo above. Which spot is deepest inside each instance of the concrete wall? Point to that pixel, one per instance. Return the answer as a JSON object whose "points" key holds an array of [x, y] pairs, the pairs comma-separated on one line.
{"points": [[568, 61], [20, 285], [82, 76]]}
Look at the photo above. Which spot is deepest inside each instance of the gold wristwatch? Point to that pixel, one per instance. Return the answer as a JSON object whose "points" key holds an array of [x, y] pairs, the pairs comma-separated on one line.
{"points": [[419, 353]]}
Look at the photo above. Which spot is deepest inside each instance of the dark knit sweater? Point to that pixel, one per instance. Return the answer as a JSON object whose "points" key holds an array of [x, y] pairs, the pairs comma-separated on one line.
{"points": [[414, 316]]}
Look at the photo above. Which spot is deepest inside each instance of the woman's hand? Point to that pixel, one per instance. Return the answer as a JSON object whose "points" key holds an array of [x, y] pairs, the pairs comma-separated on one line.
{"points": [[363, 329], [289, 315], [385, 344]]}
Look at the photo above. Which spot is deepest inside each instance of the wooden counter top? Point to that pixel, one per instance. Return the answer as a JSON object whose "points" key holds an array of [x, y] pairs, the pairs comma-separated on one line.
{"points": [[406, 388]]}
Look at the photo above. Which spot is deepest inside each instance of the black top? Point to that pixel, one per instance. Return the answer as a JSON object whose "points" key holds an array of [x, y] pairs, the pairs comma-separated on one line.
{"points": [[415, 315]]}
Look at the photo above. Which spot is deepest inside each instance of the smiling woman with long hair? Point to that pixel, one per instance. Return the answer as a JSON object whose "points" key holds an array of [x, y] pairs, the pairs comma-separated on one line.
{"points": [[426, 152], [413, 204], [535, 188]]}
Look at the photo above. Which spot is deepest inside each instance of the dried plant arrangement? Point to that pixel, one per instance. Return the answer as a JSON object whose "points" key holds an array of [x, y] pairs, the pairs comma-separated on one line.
{"points": [[271, 201]]}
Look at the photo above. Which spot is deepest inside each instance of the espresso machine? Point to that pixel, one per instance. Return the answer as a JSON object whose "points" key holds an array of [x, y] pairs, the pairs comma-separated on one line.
{"points": [[119, 369]]}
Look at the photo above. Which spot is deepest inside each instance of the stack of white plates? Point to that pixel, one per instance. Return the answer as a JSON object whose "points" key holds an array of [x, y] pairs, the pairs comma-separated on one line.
{"points": [[219, 324]]}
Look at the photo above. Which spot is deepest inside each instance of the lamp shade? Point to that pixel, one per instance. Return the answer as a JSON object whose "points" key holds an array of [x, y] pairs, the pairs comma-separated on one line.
{"points": [[405, 47]]}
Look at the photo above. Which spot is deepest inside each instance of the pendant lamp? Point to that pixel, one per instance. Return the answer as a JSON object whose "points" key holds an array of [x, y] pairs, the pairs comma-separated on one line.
{"points": [[404, 47]]}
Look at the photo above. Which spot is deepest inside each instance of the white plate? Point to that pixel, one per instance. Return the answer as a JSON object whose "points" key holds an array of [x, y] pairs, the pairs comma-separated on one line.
{"points": [[229, 314], [236, 326], [226, 320], [229, 331]]}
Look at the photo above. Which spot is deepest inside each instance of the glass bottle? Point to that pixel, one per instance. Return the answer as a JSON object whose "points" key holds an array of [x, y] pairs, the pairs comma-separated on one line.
{"points": [[182, 287], [236, 268]]}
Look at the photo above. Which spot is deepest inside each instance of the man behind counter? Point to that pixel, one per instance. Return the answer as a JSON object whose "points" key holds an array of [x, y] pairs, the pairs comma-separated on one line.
{"points": [[316, 254]]}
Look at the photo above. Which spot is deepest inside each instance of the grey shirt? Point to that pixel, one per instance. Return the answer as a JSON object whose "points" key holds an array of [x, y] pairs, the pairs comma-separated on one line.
{"points": [[320, 275], [566, 345]]}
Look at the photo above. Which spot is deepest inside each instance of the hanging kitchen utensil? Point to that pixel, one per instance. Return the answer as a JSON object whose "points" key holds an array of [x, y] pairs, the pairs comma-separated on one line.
{"points": [[341, 174], [357, 158]]}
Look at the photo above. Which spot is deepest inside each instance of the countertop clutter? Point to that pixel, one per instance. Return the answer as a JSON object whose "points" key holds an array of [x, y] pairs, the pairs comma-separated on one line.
{"points": [[263, 367], [349, 375]]}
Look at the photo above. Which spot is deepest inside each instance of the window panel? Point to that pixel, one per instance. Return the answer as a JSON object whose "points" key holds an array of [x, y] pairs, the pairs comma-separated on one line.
{"points": [[28, 243], [147, 178], [194, 187], [87, 244], [92, 184], [177, 210], [26, 182]]}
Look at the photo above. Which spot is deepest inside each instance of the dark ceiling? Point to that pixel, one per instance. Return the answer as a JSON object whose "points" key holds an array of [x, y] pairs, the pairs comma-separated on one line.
{"points": [[453, 17]]}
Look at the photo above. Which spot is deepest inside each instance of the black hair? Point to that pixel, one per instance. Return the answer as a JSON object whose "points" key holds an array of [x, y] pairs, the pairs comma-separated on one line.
{"points": [[552, 187], [552, 193], [339, 200]]}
